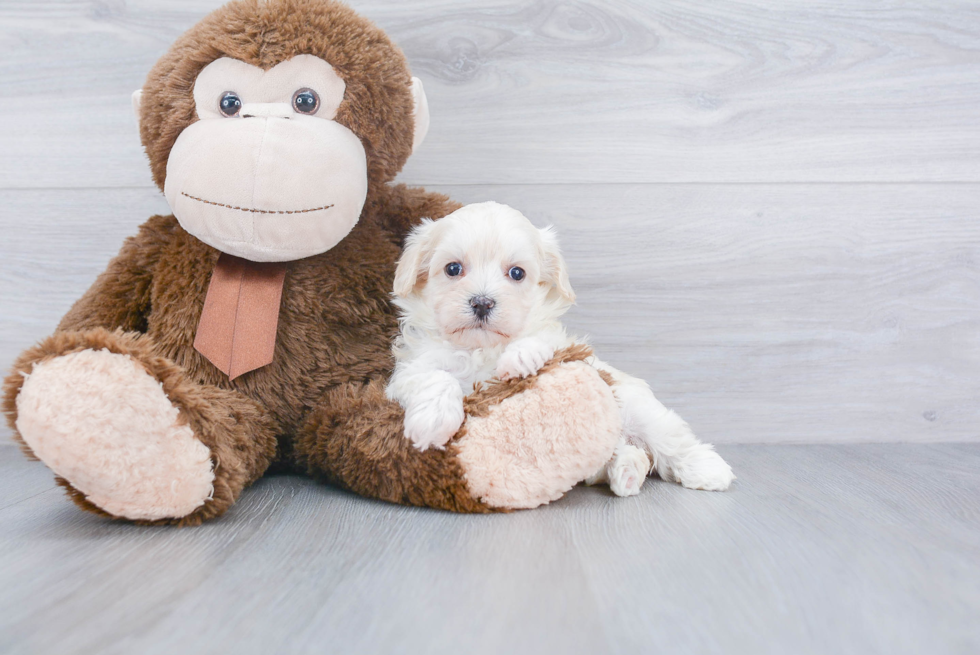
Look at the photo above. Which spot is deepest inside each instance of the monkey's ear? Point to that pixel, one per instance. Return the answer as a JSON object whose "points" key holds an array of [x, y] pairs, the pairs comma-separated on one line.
{"points": [[137, 101], [421, 113], [555, 271], [413, 265]]}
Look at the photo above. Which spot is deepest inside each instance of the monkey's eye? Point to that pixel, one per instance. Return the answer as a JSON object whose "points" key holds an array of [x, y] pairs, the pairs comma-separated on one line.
{"points": [[230, 104], [516, 273], [453, 269], [306, 101]]}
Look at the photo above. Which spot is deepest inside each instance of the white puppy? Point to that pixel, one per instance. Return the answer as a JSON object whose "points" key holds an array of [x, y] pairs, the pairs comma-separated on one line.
{"points": [[481, 293]]}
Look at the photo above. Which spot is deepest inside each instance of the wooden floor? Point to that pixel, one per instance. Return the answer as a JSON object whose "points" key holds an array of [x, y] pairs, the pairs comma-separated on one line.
{"points": [[816, 549]]}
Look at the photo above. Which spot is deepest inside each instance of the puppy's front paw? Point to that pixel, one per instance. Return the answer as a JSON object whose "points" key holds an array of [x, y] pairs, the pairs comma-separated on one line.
{"points": [[435, 415], [522, 358], [704, 469], [628, 470]]}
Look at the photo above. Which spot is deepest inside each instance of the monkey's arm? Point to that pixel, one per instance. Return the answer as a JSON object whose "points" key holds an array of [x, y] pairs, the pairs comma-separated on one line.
{"points": [[120, 296], [399, 208]]}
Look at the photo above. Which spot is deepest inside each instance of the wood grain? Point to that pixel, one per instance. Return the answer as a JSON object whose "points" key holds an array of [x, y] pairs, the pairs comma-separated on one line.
{"points": [[546, 91], [816, 549], [762, 313]]}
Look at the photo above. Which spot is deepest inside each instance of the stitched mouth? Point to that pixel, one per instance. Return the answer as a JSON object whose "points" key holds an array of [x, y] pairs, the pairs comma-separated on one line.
{"points": [[256, 211]]}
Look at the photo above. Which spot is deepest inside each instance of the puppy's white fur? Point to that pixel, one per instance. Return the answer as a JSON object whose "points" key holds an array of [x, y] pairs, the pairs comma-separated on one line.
{"points": [[446, 346]]}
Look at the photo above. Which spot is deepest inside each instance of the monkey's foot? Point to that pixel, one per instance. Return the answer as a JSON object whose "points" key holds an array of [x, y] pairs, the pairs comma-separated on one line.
{"points": [[105, 425], [533, 446]]}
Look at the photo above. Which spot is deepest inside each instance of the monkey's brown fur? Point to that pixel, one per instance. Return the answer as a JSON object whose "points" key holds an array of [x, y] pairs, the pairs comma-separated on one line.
{"points": [[319, 407]]}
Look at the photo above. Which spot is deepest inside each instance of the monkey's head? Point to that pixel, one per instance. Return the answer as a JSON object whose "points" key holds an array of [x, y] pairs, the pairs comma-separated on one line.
{"points": [[269, 122]]}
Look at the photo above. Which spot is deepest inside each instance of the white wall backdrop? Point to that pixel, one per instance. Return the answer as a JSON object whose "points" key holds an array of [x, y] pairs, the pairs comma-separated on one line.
{"points": [[771, 209]]}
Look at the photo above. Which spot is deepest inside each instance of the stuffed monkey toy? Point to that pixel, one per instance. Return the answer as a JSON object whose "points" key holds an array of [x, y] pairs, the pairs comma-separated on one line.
{"points": [[252, 327]]}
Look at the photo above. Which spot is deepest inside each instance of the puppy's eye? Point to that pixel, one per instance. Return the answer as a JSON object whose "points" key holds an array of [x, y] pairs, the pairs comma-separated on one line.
{"points": [[230, 104], [516, 273], [306, 101], [453, 269]]}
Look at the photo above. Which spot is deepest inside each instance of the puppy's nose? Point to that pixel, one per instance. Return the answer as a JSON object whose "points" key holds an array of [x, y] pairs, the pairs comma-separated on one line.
{"points": [[481, 306]]}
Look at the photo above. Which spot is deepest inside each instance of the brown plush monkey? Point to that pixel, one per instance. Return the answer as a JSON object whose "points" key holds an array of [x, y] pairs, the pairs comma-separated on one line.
{"points": [[253, 326]]}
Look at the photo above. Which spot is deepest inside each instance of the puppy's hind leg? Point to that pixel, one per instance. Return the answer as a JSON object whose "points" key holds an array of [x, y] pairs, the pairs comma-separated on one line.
{"points": [[677, 454], [625, 472]]}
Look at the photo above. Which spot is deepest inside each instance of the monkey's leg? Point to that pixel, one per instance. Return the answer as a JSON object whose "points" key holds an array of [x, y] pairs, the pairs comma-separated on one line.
{"points": [[354, 438], [129, 435], [543, 436]]}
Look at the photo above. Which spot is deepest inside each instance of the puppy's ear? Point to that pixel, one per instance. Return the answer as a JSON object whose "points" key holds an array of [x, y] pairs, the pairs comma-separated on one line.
{"points": [[555, 272], [413, 265]]}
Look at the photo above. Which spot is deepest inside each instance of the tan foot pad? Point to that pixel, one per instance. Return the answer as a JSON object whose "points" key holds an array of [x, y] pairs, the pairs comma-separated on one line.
{"points": [[536, 445], [104, 424]]}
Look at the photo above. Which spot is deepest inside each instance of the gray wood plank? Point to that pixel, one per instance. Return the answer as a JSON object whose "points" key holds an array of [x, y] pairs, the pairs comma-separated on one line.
{"points": [[763, 313], [22, 479], [531, 92], [816, 549]]}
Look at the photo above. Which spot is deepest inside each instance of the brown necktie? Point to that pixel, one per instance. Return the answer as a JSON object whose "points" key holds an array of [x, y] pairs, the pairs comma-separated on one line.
{"points": [[237, 330]]}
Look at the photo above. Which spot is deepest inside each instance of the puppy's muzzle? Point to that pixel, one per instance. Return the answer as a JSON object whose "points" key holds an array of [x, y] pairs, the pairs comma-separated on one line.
{"points": [[482, 306]]}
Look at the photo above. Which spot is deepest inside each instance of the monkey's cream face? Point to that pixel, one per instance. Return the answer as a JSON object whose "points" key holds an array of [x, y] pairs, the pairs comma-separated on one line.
{"points": [[267, 174]]}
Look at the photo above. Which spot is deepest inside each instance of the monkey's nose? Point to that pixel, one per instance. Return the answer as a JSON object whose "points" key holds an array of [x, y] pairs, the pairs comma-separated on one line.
{"points": [[481, 306], [266, 110]]}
